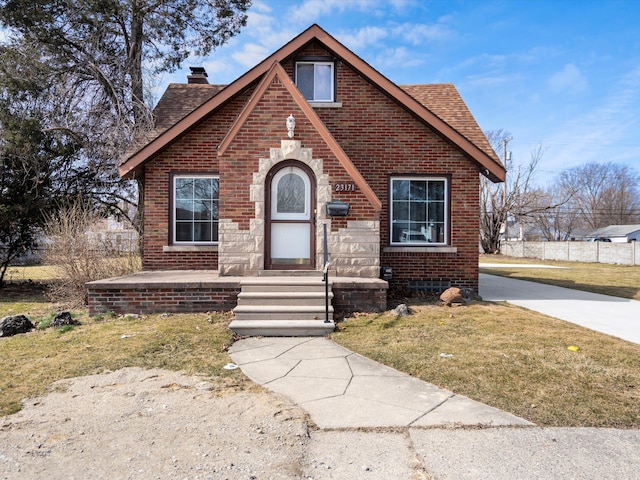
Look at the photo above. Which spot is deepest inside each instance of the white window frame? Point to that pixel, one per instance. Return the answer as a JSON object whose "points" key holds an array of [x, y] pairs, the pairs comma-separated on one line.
{"points": [[275, 214], [174, 220], [410, 241], [333, 82]]}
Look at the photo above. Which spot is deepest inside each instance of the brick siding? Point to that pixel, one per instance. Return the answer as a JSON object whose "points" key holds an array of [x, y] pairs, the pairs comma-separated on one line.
{"points": [[143, 299], [379, 136]]}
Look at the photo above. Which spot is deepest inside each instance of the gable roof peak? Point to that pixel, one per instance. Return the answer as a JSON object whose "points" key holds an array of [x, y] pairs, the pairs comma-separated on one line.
{"points": [[276, 71], [486, 159]]}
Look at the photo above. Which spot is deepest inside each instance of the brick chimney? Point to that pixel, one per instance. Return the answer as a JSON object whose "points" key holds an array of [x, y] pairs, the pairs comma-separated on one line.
{"points": [[198, 75]]}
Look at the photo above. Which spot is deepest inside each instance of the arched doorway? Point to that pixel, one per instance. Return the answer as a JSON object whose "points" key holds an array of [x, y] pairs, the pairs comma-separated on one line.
{"points": [[290, 217]]}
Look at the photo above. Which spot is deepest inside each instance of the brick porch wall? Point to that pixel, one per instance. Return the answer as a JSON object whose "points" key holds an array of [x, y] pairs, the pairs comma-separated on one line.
{"points": [[350, 300], [347, 298], [159, 300]]}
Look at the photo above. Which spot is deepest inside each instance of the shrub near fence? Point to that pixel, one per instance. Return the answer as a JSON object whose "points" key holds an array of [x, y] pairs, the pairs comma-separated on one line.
{"points": [[595, 252]]}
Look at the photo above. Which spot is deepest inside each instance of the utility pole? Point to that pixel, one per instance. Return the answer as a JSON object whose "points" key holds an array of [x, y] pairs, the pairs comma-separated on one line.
{"points": [[506, 156]]}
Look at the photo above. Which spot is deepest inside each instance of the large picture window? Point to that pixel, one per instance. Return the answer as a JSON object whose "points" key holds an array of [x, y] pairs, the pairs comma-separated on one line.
{"points": [[315, 80], [195, 209], [419, 211]]}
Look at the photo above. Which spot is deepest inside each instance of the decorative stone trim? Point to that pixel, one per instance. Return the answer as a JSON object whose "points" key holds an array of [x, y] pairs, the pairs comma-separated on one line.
{"points": [[189, 248], [241, 251], [420, 249], [354, 251], [326, 104]]}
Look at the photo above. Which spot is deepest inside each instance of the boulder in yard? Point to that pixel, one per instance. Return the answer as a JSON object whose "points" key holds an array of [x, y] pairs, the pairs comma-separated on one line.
{"points": [[15, 324], [62, 319], [451, 295], [401, 310]]}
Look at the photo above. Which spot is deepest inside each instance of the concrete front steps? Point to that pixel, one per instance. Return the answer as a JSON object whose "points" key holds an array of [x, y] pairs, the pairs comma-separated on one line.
{"points": [[282, 306]]}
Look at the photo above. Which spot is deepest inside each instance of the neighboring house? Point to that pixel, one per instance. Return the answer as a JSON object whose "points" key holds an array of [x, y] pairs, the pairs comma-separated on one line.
{"points": [[616, 233], [231, 185], [115, 236], [579, 235]]}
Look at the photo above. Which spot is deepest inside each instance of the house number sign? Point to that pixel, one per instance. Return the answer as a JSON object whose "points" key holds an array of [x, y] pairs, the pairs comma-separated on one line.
{"points": [[344, 187]]}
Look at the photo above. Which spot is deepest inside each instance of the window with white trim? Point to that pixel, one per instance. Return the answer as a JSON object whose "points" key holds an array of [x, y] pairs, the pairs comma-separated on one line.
{"points": [[195, 209], [419, 211], [315, 80]]}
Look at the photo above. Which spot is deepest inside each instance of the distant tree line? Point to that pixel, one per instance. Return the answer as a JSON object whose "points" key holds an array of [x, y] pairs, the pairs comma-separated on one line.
{"points": [[580, 199]]}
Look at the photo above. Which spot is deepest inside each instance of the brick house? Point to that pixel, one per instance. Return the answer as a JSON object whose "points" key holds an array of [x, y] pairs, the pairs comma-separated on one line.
{"points": [[232, 186]]}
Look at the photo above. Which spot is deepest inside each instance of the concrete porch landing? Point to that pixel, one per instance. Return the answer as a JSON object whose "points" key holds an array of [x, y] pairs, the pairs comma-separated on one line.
{"points": [[189, 291], [167, 278]]}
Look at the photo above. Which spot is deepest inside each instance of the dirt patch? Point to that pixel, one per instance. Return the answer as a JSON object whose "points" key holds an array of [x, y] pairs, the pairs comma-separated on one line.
{"points": [[147, 424]]}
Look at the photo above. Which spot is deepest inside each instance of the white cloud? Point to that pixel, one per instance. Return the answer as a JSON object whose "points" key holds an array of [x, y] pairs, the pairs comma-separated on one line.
{"points": [[597, 133], [492, 79], [362, 38], [310, 10], [267, 27], [217, 69], [258, 23], [261, 7], [569, 79], [418, 34], [250, 54], [392, 58], [401, 4]]}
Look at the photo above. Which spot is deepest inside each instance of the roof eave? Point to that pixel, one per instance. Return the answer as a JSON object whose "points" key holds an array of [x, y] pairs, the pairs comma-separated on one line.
{"points": [[136, 161], [488, 167]]}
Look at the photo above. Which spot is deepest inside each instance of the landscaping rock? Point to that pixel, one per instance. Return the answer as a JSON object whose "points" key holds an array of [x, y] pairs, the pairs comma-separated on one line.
{"points": [[451, 295], [469, 294], [401, 310], [62, 319], [15, 324]]}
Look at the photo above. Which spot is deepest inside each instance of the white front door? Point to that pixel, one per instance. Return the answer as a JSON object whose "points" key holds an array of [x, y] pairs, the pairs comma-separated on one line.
{"points": [[290, 242]]}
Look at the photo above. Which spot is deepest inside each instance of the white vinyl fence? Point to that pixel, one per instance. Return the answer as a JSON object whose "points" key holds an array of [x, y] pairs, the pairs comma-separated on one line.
{"points": [[597, 252]]}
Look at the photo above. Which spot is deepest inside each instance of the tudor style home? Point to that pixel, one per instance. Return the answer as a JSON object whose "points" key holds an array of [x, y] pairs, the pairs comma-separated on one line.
{"points": [[244, 179]]}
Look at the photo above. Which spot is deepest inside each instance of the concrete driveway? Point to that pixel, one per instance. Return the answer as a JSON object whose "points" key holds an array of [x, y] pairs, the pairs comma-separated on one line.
{"points": [[615, 316]]}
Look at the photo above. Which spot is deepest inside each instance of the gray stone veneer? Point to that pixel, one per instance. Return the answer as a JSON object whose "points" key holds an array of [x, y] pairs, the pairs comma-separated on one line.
{"points": [[353, 251]]}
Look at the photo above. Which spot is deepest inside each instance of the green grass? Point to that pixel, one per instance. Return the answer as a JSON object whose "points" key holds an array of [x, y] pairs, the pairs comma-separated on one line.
{"points": [[509, 358], [616, 280]]}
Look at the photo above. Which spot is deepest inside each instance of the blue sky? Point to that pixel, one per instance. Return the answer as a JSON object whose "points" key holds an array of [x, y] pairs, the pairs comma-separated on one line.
{"points": [[561, 74]]}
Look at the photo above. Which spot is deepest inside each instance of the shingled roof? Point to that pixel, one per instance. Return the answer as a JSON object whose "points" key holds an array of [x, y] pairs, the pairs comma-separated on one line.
{"points": [[442, 99], [178, 101], [440, 106]]}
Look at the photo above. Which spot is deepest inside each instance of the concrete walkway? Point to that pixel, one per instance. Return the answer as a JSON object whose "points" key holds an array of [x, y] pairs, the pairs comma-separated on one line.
{"points": [[341, 389], [350, 397], [615, 316]]}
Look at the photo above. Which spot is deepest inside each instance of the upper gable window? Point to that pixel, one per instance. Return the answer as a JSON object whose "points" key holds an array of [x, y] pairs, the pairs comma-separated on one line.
{"points": [[315, 79]]}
